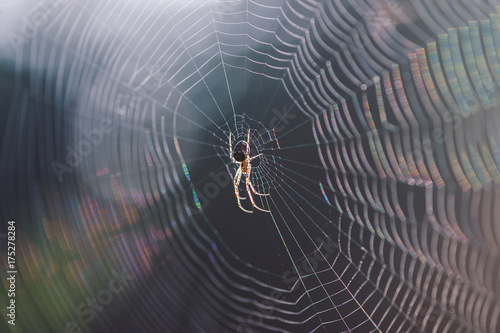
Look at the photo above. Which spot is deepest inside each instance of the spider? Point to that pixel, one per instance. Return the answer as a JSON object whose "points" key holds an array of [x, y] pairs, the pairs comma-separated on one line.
{"points": [[241, 155]]}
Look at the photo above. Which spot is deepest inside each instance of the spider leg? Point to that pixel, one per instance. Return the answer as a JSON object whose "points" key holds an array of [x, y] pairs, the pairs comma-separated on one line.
{"points": [[236, 182], [254, 191], [248, 186], [231, 147], [251, 198], [248, 142], [237, 179], [251, 185], [251, 158]]}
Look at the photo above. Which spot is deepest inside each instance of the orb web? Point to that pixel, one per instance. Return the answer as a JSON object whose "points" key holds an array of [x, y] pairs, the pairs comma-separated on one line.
{"points": [[378, 127]]}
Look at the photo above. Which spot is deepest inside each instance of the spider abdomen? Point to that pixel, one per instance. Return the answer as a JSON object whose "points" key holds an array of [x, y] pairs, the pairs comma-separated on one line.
{"points": [[240, 151], [244, 167]]}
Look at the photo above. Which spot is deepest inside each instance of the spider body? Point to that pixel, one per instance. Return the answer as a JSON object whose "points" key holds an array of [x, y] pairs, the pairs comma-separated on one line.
{"points": [[240, 154], [240, 151]]}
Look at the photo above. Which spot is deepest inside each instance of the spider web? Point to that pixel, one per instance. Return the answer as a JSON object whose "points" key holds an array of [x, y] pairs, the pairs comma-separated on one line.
{"points": [[378, 127]]}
